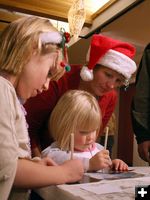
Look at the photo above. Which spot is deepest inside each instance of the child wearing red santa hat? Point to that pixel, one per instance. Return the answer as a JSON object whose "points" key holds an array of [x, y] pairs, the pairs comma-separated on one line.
{"points": [[109, 65]]}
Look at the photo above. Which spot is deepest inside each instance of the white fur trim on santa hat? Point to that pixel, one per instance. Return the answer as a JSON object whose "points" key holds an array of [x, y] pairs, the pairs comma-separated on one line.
{"points": [[118, 62], [51, 37], [86, 74]]}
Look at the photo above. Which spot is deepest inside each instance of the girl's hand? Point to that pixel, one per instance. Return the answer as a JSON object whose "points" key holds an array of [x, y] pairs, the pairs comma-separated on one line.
{"points": [[72, 170], [119, 165], [36, 152], [99, 161]]}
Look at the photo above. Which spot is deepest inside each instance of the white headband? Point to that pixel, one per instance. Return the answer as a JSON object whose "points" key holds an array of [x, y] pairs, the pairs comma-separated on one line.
{"points": [[51, 37]]}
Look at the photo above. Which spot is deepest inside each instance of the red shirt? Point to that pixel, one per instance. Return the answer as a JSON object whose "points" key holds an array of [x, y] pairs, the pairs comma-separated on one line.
{"points": [[40, 107]]}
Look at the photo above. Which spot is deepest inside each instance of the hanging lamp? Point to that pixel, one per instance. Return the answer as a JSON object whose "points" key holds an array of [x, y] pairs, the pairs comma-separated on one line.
{"points": [[76, 18]]}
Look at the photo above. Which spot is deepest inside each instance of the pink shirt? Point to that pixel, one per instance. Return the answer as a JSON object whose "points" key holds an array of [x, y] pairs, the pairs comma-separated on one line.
{"points": [[60, 156]]}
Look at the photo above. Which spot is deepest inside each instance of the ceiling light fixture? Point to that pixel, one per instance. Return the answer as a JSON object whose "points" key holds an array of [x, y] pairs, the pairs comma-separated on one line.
{"points": [[76, 18]]}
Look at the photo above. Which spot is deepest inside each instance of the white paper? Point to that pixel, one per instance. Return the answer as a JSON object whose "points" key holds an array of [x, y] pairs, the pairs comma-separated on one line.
{"points": [[101, 188]]}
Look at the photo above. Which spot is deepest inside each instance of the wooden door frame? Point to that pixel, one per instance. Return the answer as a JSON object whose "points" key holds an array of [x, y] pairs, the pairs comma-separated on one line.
{"points": [[125, 131]]}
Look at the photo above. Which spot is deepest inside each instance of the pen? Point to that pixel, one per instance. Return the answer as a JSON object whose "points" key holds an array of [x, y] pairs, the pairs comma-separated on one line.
{"points": [[71, 145], [106, 137], [105, 170]]}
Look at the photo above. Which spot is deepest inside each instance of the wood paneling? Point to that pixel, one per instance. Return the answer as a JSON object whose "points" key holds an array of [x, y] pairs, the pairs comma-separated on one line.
{"points": [[8, 17], [54, 9], [2, 25], [125, 131]]}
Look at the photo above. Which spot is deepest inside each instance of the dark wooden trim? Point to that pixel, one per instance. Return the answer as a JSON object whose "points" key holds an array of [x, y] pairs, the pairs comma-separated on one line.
{"points": [[125, 132]]}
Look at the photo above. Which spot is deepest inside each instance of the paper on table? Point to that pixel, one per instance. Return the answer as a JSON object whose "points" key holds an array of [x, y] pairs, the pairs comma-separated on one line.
{"points": [[96, 191], [114, 175], [101, 189]]}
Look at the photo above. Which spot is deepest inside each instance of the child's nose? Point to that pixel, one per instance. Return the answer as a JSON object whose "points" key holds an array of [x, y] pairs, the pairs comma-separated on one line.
{"points": [[89, 137], [46, 84], [111, 84]]}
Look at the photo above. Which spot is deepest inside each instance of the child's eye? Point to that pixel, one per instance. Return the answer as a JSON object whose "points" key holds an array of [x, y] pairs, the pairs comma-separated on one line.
{"points": [[120, 82], [49, 75], [84, 132], [108, 75]]}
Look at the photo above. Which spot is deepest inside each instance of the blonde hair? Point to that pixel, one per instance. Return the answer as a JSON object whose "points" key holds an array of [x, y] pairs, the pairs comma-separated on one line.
{"points": [[20, 39], [76, 110]]}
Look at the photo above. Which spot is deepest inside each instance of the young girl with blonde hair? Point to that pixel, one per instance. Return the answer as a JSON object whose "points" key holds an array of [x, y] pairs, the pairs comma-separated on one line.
{"points": [[109, 65], [78, 112], [29, 59]]}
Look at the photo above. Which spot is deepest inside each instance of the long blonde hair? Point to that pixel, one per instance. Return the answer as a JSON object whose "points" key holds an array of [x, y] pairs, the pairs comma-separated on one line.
{"points": [[20, 39], [76, 110]]}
